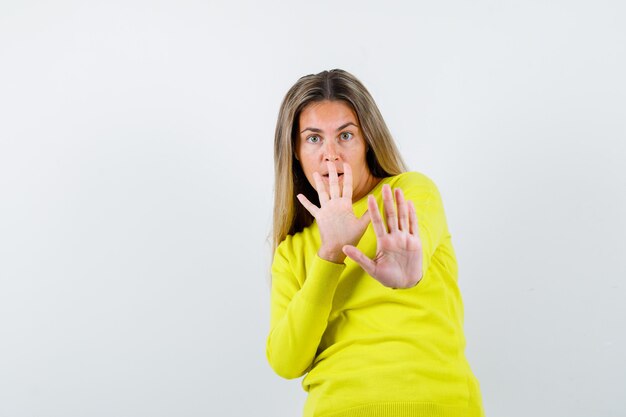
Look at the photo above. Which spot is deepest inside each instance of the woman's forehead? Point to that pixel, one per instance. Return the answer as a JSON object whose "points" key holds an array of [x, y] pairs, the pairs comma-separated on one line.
{"points": [[327, 114]]}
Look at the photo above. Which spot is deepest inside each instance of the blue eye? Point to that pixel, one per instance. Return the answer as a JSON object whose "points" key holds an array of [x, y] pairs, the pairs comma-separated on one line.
{"points": [[313, 139], [346, 136]]}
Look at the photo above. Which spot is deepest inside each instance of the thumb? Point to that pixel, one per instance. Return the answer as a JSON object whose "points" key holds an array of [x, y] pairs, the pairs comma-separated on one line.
{"points": [[359, 257], [364, 220], [311, 208]]}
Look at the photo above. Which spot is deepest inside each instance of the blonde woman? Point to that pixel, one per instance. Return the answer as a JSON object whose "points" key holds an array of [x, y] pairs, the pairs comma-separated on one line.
{"points": [[364, 297]]}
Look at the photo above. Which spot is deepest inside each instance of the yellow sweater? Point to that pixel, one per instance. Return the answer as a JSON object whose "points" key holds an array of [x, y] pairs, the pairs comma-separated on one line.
{"points": [[370, 350]]}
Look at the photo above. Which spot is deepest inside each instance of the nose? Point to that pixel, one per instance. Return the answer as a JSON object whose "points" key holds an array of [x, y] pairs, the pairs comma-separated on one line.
{"points": [[330, 151]]}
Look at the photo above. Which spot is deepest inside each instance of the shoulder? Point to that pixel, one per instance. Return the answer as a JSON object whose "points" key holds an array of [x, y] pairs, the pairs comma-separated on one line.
{"points": [[284, 249], [291, 249], [282, 256], [415, 183]]}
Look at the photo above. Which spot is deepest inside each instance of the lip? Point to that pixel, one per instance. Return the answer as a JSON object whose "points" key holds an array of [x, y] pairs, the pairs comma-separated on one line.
{"points": [[327, 176]]}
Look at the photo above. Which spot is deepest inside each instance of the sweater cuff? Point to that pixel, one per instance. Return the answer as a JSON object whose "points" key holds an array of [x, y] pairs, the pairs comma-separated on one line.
{"points": [[321, 281]]}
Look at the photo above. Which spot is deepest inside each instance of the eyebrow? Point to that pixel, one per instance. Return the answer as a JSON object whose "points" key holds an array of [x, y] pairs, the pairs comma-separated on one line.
{"points": [[316, 130]]}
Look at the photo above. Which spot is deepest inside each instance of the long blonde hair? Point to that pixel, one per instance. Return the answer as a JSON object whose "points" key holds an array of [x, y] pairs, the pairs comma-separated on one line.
{"points": [[383, 158]]}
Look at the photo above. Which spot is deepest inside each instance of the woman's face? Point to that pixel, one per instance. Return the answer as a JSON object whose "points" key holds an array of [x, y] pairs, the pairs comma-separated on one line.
{"points": [[329, 131]]}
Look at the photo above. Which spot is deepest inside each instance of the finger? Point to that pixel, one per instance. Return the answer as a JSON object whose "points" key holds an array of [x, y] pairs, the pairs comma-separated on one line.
{"points": [[413, 225], [364, 220], [333, 180], [390, 209], [311, 208], [347, 181], [377, 220], [321, 188], [403, 212], [359, 257]]}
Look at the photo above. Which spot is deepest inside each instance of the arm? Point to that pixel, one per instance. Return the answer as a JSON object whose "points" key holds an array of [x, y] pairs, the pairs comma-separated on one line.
{"points": [[299, 316], [300, 313], [407, 238]]}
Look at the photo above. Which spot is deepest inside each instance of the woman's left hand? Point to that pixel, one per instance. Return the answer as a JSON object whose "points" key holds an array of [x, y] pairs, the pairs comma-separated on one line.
{"points": [[398, 260]]}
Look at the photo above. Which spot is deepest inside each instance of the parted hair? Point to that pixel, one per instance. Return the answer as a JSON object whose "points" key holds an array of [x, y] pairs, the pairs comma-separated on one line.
{"points": [[383, 158]]}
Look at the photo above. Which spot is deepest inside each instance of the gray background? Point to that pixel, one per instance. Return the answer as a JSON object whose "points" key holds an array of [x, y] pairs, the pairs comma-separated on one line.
{"points": [[136, 193]]}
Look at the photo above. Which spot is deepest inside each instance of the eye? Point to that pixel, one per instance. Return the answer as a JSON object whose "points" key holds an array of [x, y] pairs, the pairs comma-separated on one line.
{"points": [[313, 139], [346, 136]]}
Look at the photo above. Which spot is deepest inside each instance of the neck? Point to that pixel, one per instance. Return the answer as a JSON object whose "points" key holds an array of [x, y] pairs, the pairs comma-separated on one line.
{"points": [[368, 186]]}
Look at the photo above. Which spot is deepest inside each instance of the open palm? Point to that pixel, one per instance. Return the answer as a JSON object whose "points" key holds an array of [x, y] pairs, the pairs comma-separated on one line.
{"points": [[338, 226], [398, 259]]}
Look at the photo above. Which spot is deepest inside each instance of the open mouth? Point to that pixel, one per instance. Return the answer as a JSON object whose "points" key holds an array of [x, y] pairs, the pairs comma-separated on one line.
{"points": [[339, 175]]}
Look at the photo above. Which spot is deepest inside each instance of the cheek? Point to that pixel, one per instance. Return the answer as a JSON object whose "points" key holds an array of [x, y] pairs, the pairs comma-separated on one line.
{"points": [[357, 157], [359, 166], [306, 166]]}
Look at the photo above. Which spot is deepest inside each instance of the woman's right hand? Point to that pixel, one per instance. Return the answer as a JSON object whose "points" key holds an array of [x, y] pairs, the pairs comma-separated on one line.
{"points": [[335, 218]]}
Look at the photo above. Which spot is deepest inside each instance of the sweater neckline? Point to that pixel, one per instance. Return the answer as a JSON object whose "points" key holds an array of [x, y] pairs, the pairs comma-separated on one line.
{"points": [[360, 205]]}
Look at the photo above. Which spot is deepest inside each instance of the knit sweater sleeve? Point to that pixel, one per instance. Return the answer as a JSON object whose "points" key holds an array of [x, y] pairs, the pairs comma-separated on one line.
{"points": [[300, 307]]}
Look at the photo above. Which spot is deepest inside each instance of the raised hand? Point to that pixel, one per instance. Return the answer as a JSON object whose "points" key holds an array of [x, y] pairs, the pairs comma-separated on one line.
{"points": [[335, 218], [398, 260]]}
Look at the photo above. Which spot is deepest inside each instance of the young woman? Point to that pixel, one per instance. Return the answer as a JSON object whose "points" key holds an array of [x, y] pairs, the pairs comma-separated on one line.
{"points": [[364, 297]]}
